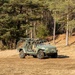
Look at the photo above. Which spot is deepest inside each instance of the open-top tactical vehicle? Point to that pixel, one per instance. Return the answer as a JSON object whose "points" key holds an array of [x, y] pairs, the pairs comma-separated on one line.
{"points": [[35, 48]]}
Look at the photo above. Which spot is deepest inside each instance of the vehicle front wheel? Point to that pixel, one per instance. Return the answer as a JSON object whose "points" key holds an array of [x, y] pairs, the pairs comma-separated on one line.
{"points": [[40, 54], [22, 54]]}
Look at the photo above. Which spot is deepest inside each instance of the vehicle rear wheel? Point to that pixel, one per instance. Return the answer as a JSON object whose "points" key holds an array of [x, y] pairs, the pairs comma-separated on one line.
{"points": [[54, 55], [40, 54], [22, 54]]}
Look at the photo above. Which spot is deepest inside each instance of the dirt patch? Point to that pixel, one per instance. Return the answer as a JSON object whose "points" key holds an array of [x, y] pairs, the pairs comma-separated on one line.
{"points": [[32, 66], [8, 53]]}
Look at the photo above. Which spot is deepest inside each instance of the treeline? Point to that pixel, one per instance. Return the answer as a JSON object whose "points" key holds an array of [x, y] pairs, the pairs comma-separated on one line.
{"points": [[35, 18]]}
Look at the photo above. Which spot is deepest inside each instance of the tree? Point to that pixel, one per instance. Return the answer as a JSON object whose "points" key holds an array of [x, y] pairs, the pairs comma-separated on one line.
{"points": [[67, 10], [17, 17], [42, 31], [54, 7]]}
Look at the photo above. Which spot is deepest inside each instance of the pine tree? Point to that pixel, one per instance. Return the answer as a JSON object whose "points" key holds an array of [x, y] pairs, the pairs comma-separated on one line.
{"points": [[17, 17]]}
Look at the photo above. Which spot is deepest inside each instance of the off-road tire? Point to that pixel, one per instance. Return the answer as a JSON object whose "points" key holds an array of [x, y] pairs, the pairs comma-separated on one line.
{"points": [[40, 54], [22, 54], [54, 55]]}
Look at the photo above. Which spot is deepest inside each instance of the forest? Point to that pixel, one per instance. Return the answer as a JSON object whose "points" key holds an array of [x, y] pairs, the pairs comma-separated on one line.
{"points": [[35, 19]]}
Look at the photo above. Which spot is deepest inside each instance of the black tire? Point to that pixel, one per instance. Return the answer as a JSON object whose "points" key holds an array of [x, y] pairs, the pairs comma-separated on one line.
{"points": [[54, 55], [40, 54], [22, 54], [34, 56]]}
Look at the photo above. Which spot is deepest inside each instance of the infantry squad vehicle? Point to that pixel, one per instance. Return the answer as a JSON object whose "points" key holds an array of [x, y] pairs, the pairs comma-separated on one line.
{"points": [[36, 48]]}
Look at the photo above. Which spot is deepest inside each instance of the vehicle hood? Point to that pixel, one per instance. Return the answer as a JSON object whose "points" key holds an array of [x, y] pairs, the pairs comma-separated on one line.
{"points": [[45, 46]]}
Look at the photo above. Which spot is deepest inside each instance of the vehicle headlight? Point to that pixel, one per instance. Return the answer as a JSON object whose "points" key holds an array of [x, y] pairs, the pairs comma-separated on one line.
{"points": [[43, 48], [54, 49]]}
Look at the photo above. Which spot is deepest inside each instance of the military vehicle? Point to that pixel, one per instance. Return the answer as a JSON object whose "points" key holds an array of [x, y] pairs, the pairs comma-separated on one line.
{"points": [[36, 48]]}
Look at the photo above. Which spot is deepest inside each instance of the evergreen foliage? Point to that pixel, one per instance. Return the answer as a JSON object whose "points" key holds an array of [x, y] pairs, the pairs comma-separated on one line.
{"points": [[42, 31], [31, 18]]}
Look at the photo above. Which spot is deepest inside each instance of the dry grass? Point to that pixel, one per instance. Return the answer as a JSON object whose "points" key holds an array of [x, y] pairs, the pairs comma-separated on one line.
{"points": [[63, 49], [11, 64]]}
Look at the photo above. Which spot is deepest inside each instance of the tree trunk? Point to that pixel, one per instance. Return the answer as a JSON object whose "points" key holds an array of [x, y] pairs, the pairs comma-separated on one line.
{"points": [[34, 29], [31, 31], [67, 32], [54, 29], [26, 32]]}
